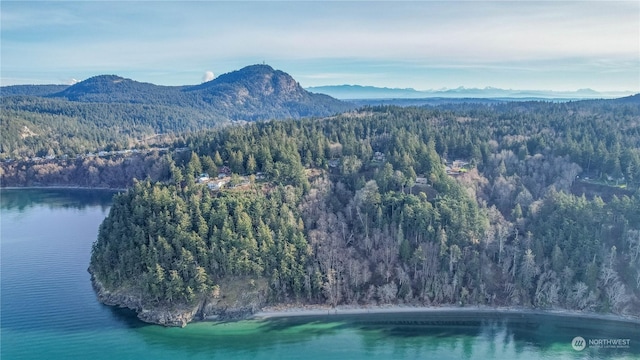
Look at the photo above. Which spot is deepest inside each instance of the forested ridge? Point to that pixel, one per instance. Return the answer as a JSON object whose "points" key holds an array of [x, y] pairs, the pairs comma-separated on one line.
{"points": [[110, 112], [39, 127], [359, 209]]}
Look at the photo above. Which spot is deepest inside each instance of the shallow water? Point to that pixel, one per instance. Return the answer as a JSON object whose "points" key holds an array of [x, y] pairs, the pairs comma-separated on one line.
{"points": [[49, 310]]}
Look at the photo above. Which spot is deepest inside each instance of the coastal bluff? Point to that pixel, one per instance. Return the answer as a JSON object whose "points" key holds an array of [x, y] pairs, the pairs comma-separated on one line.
{"points": [[226, 308]]}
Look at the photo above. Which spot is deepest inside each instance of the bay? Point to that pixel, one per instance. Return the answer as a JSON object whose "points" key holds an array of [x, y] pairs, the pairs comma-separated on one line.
{"points": [[48, 310]]}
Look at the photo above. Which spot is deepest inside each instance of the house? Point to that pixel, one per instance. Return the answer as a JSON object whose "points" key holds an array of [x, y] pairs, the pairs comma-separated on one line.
{"points": [[204, 177], [421, 181], [459, 164], [216, 185], [453, 171], [378, 156], [457, 167]]}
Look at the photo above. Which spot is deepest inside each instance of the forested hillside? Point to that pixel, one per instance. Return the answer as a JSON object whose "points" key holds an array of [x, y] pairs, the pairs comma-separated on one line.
{"points": [[110, 112], [369, 207], [31, 90], [39, 127]]}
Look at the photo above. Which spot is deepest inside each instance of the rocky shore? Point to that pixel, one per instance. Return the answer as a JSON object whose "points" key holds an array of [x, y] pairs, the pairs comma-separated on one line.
{"points": [[166, 317], [180, 315], [251, 305]]}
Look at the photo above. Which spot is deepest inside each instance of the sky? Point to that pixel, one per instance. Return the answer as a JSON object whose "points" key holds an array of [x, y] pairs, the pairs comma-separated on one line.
{"points": [[533, 45]]}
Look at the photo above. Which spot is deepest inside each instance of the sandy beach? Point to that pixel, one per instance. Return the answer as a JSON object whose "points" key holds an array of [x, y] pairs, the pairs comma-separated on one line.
{"points": [[300, 311]]}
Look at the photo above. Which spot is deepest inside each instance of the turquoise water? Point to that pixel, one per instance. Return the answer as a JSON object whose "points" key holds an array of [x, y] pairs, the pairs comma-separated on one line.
{"points": [[49, 310]]}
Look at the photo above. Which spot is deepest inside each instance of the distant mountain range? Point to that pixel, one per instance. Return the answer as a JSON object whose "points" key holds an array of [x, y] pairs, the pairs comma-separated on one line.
{"points": [[350, 92], [111, 112], [255, 92]]}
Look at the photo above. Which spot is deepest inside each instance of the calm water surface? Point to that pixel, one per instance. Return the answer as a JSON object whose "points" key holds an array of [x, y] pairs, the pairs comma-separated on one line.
{"points": [[49, 310]]}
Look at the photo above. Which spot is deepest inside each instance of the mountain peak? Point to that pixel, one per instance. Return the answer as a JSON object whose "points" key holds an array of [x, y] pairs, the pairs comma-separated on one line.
{"points": [[97, 87], [254, 86], [104, 78], [258, 81], [587, 91], [254, 92], [101, 82], [258, 72], [257, 68]]}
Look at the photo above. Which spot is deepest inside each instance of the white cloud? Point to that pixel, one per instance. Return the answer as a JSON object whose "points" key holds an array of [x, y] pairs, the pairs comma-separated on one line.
{"points": [[208, 76]]}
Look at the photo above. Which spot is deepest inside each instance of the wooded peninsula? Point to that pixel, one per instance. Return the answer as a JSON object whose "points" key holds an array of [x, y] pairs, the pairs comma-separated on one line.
{"points": [[369, 207], [529, 204]]}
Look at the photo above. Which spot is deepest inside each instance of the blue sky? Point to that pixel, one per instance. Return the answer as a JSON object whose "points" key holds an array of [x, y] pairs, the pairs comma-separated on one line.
{"points": [[546, 45]]}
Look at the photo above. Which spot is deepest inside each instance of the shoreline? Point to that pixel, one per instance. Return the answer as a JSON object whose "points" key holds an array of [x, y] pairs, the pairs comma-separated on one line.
{"points": [[324, 311]]}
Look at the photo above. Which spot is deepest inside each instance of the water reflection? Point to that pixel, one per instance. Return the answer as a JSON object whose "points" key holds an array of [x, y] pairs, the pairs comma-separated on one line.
{"points": [[23, 199], [452, 334], [244, 337]]}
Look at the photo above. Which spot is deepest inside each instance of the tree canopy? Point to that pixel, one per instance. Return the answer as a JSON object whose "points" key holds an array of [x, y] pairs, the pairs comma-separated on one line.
{"points": [[370, 207]]}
